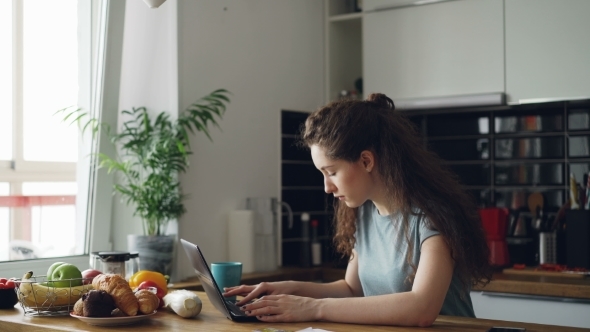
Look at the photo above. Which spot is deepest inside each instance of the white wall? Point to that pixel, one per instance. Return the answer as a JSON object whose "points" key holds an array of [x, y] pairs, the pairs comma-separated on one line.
{"points": [[149, 77], [268, 53]]}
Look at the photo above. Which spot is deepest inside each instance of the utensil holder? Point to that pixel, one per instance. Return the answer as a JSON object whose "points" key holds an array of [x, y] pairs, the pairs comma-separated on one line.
{"points": [[577, 229], [547, 248]]}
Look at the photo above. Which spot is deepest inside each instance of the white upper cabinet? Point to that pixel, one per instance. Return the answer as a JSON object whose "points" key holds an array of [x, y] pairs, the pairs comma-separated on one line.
{"points": [[547, 49], [370, 5], [442, 49]]}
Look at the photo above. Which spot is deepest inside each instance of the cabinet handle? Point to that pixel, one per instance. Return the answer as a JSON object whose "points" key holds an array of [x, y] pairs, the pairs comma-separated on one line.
{"points": [[415, 3]]}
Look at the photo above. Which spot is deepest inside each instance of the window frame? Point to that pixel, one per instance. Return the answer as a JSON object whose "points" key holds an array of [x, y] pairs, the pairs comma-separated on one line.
{"points": [[99, 76]]}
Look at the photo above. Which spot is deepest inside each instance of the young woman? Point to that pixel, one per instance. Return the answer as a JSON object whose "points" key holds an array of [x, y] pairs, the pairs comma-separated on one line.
{"points": [[414, 237]]}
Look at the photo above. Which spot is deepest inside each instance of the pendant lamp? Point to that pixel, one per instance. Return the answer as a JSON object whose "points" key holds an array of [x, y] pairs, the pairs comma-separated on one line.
{"points": [[154, 3]]}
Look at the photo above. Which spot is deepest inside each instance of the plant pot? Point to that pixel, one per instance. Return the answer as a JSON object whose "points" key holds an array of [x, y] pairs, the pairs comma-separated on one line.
{"points": [[156, 252]]}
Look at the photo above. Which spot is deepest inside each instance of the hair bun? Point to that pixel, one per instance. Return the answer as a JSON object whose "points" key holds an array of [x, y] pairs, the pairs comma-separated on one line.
{"points": [[382, 100]]}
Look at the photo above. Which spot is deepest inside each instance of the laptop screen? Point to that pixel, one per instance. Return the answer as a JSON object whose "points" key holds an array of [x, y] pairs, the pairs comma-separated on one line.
{"points": [[200, 265]]}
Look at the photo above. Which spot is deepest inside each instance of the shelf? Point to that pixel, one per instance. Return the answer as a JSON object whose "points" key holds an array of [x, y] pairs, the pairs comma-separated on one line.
{"points": [[450, 138], [530, 187], [471, 187], [297, 162], [299, 239], [346, 17], [467, 162], [498, 161], [320, 213], [505, 161], [554, 142], [506, 135], [529, 134], [302, 188]]}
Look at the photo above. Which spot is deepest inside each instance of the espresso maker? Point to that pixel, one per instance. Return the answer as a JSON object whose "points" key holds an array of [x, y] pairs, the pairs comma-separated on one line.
{"points": [[495, 223]]}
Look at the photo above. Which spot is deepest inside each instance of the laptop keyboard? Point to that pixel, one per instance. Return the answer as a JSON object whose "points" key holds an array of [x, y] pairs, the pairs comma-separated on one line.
{"points": [[234, 308]]}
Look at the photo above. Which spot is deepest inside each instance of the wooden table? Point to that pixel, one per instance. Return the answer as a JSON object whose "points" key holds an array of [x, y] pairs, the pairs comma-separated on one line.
{"points": [[212, 320], [536, 285]]}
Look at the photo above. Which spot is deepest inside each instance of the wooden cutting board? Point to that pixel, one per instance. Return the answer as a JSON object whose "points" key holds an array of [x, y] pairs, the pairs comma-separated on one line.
{"points": [[529, 270]]}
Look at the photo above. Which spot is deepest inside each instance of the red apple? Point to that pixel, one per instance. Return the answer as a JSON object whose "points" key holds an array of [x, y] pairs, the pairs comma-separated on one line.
{"points": [[88, 275]]}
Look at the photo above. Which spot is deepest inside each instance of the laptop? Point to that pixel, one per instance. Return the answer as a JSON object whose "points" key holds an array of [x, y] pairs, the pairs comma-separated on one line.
{"points": [[225, 306]]}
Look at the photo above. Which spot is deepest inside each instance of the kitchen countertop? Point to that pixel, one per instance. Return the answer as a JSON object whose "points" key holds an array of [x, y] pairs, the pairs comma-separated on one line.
{"points": [[13, 320], [563, 287]]}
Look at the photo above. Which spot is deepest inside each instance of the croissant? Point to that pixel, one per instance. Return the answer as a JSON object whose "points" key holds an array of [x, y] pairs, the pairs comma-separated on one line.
{"points": [[119, 289], [79, 308], [148, 301]]}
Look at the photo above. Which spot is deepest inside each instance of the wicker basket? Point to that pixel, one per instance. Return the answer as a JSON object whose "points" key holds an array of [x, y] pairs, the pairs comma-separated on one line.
{"points": [[38, 297]]}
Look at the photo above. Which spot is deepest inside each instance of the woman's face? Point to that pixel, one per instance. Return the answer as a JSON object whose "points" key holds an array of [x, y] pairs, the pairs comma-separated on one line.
{"points": [[348, 182]]}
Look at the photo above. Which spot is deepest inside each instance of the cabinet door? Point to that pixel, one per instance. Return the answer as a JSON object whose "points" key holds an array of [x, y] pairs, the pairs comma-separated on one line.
{"points": [[531, 309], [443, 49], [369, 5], [547, 49]]}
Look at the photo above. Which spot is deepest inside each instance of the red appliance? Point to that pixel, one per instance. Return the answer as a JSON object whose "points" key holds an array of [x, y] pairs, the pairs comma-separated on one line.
{"points": [[495, 223]]}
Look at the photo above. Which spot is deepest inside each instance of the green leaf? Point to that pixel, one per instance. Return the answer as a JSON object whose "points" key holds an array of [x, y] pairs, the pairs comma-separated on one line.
{"points": [[150, 154]]}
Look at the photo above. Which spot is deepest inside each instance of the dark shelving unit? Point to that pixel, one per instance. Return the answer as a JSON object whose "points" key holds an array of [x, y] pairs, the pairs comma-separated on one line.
{"points": [[502, 154]]}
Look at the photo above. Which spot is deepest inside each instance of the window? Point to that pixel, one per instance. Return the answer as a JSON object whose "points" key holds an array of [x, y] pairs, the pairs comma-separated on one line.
{"points": [[4, 223], [5, 80], [48, 186], [40, 76]]}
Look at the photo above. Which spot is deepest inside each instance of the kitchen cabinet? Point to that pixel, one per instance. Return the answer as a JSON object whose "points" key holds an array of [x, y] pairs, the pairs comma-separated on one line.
{"points": [[531, 309], [547, 49], [343, 32], [441, 49]]}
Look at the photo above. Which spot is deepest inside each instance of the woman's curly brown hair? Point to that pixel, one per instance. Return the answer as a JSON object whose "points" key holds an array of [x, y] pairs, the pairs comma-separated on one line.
{"points": [[413, 175]]}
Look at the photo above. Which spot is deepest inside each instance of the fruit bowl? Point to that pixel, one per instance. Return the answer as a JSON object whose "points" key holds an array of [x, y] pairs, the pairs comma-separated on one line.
{"points": [[38, 297], [8, 298]]}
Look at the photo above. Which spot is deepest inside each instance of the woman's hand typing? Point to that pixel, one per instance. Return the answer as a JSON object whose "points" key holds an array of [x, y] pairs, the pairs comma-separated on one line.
{"points": [[251, 292], [284, 308]]}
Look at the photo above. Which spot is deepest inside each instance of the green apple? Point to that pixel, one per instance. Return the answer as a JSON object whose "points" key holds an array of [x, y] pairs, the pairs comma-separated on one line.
{"points": [[61, 273], [52, 267]]}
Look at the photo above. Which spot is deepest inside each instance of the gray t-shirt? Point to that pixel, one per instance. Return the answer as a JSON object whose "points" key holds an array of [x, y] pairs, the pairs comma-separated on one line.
{"points": [[382, 258]]}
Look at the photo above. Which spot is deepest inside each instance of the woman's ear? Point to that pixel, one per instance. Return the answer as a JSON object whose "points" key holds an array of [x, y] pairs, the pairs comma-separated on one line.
{"points": [[368, 160]]}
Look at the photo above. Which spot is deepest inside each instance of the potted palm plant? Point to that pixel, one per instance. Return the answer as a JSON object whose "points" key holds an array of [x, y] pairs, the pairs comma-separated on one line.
{"points": [[151, 153]]}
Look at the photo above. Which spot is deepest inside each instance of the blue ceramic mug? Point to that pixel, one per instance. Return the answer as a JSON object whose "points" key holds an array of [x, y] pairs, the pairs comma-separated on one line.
{"points": [[227, 274]]}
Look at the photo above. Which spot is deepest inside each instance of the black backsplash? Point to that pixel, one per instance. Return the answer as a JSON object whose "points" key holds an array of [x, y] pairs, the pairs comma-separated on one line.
{"points": [[302, 187]]}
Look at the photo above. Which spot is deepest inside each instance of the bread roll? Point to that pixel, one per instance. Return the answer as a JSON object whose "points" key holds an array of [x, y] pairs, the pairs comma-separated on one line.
{"points": [[148, 301], [119, 289]]}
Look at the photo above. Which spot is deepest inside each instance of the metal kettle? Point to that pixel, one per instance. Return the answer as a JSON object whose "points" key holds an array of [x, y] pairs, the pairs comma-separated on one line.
{"points": [[267, 226]]}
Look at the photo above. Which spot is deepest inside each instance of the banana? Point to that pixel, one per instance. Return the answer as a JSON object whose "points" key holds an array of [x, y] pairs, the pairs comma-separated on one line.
{"points": [[28, 275], [37, 296]]}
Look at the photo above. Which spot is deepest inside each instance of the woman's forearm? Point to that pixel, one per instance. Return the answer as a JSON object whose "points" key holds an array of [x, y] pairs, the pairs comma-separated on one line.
{"points": [[336, 289], [407, 309]]}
